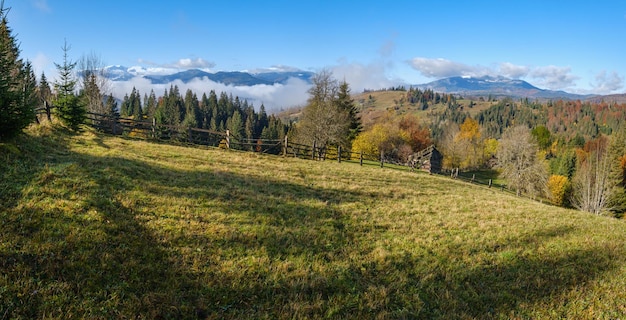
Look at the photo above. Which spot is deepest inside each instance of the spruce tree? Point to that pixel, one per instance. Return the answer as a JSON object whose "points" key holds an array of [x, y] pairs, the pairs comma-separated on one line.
{"points": [[17, 84], [125, 107], [111, 107], [44, 92], [346, 103], [150, 105], [70, 110]]}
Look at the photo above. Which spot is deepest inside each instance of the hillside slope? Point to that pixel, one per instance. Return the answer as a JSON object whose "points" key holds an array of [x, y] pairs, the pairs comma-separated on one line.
{"points": [[96, 226]]}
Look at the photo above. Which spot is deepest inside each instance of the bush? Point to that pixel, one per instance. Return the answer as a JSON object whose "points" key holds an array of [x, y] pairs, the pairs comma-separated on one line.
{"points": [[559, 188]]}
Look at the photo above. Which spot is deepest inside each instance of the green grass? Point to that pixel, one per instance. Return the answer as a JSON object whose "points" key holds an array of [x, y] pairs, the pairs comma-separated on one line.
{"points": [[104, 227]]}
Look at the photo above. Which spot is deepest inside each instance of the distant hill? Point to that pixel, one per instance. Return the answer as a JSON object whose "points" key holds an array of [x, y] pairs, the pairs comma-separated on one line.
{"points": [[495, 86], [235, 78], [616, 98]]}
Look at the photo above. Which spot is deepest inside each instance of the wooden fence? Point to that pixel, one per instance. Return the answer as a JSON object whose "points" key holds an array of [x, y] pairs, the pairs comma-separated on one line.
{"points": [[152, 131]]}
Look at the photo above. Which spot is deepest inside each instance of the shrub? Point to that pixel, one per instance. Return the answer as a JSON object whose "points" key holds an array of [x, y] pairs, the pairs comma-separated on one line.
{"points": [[559, 188]]}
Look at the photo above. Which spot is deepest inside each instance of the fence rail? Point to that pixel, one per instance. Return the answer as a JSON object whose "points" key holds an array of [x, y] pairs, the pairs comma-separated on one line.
{"points": [[198, 136]]}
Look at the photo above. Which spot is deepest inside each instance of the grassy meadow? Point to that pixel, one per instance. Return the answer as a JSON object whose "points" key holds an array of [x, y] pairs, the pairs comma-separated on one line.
{"points": [[102, 227]]}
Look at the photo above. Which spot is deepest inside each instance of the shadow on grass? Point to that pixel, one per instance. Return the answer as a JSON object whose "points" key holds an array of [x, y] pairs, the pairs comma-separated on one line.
{"points": [[513, 280], [77, 245], [108, 246]]}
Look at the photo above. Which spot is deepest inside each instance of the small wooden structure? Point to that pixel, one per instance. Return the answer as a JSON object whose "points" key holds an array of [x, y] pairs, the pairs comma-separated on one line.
{"points": [[429, 160]]}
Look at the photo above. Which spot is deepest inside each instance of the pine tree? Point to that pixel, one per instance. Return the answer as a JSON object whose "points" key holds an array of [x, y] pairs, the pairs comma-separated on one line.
{"points": [[150, 105], [17, 84], [69, 108], [43, 91], [135, 102], [125, 107], [91, 95], [29, 91], [235, 125], [346, 103], [192, 110], [111, 107], [617, 175]]}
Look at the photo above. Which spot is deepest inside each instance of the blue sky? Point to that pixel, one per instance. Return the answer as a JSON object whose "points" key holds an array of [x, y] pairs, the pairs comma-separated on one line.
{"points": [[576, 46]]}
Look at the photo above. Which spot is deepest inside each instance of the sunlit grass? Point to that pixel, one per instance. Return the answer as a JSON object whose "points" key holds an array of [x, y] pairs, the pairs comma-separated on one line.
{"points": [[105, 227]]}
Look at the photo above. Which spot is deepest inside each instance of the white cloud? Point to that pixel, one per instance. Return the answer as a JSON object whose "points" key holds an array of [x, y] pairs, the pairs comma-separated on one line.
{"points": [[443, 68], [554, 77], [510, 70], [40, 63], [273, 97], [362, 76], [274, 68], [42, 5], [550, 77], [198, 63], [607, 83], [184, 64]]}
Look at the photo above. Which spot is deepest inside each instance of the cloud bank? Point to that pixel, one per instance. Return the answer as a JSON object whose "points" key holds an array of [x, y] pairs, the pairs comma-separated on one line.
{"points": [[549, 77], [274, 97], [181, 64]]}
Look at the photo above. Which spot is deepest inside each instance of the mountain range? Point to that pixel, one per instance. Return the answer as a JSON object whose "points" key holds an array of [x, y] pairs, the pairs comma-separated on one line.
{"points": [[496, 86], [234, 78], [467, 86]]}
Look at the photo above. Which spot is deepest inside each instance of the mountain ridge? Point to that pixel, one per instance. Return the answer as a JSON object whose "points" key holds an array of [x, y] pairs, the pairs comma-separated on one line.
{"points": [[234, 78], [496, 86]]}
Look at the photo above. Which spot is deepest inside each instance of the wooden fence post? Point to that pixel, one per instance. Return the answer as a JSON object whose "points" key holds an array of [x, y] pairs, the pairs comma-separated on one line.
{"points": [[382, 159], [361, 158], [227, 139], [339, 154], [48, 111], [313, 151], [473, 177], [154, 128], [189, 135], [113, 125], [285, 147], [489, 183]]}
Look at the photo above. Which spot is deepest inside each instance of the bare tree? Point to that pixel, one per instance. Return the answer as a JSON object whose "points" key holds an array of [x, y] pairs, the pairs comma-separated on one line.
{"points": [[95, 85], [452, 151], [593, 186], [520, 165], [323, 122]]}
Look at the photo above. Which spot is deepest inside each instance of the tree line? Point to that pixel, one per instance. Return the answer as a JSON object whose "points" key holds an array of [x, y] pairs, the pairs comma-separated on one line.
{"points": [[207, 112]]}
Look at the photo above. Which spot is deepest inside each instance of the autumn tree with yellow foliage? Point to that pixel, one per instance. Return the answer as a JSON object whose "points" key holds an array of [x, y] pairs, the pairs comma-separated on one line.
{"points": [[463, 146], [396, 141]]}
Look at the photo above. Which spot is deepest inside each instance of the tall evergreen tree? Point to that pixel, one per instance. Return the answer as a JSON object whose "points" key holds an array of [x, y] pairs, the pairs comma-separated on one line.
{"points": [[69, 108], [135, 101], [93, 81], [91, 95], [125, 107], [111, 106], [17, 90], [44, 92], [346, 103], [150, 105], [235, 125]]}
